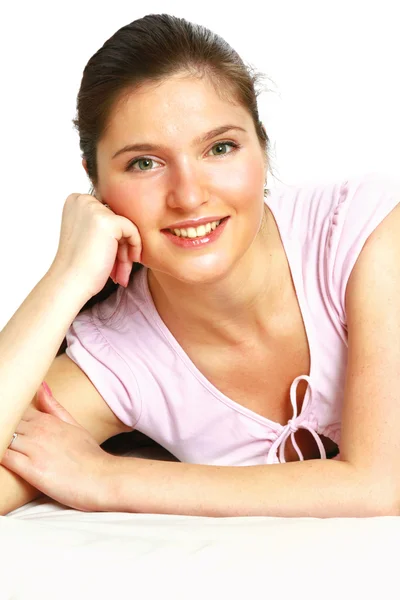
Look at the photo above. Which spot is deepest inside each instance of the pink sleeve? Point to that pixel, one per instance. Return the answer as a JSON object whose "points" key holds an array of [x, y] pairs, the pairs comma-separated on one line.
{"points": [[107, 370], [362, 205]]}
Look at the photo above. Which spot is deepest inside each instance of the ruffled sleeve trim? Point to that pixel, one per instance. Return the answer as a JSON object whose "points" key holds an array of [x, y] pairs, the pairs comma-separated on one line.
{"points": [[88, 347], [361, 206]]}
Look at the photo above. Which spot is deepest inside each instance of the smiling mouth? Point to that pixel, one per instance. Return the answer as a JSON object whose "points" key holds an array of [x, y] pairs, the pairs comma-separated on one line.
{"points": [[196, 232]]}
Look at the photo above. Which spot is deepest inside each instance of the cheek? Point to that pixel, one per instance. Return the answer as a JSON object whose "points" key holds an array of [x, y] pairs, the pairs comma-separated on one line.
{"points": [[127, 200], [118, 196], [244, 184]]}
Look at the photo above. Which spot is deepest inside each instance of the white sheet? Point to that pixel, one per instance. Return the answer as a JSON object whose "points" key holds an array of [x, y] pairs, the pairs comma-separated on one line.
{"points": [[50, 551]]}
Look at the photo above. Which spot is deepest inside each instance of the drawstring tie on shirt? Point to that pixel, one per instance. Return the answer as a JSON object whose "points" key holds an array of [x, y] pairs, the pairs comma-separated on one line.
{"points": [[294, 425]]}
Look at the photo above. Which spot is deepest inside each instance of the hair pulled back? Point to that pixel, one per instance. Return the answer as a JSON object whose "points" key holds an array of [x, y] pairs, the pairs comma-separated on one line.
{"points": [[149, 50]]}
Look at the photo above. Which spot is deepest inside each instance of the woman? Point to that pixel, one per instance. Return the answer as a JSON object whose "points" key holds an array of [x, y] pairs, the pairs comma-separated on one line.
{"points": [[243, 328]]}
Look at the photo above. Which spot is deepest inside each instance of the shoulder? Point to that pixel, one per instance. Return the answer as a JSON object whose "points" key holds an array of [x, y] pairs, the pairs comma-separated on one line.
{"points": [[376, 267], [300, 209], [363, 204]]}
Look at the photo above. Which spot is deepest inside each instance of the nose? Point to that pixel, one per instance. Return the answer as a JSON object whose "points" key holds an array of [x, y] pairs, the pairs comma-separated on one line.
{"points": [[187, 190]]}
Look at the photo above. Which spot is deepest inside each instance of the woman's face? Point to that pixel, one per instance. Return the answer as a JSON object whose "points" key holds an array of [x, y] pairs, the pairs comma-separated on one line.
{"points": [[181, 177]]}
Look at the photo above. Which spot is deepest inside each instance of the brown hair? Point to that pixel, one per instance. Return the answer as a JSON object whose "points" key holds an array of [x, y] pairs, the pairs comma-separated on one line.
{"points": [[152, 49]]}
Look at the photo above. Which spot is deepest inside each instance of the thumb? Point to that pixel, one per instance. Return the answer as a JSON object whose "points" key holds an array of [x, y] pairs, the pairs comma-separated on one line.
{"points": [[47, 403]]}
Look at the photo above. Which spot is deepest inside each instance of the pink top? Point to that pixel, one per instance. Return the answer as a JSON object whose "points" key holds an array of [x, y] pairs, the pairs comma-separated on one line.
{"points": [[151, 384]]}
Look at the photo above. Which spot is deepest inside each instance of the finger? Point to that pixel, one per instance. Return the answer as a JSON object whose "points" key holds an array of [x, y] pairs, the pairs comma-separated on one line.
{"points": [[51, 406], [27, 432], [134, 253], [44, 404], [113, 271], [22, 428], [32, 411], [122, 253], [130, 233], [135, 250], [20, 444], [124, 265], [123, 272], [17, 462]]}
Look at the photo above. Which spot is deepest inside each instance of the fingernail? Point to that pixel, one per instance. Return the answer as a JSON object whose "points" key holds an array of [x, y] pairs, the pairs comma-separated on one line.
{"points": [[47, 389]]}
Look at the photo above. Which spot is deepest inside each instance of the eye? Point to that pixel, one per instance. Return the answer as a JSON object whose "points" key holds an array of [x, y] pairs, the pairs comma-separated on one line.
{"points": [[143, 159], [147, 161], [233, 145]]}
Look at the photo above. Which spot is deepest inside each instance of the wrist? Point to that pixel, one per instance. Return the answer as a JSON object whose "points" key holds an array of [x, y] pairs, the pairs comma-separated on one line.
{"points": [[107, 494], [69, 282]]}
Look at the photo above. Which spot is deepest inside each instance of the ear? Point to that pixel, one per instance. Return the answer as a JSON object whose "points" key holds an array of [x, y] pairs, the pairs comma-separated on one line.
{"points": [[47, 403], [84, 163]]}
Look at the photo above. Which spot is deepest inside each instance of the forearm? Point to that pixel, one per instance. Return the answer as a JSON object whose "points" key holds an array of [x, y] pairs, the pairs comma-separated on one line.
{"points": [[29, 344], [313, 488], [14, 491]]}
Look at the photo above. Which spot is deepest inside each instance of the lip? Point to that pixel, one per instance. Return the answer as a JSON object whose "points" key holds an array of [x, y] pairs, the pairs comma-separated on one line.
{"points": [[197, 243], [193, 223]]}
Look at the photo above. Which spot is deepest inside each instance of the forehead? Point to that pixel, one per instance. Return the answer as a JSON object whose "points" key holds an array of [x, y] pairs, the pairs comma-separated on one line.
{"points": [[184, 106]]}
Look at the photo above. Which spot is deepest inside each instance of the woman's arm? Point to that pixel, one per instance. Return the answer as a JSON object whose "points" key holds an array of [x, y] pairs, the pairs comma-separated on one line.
{"points": [[311, 488], [29, 343]]}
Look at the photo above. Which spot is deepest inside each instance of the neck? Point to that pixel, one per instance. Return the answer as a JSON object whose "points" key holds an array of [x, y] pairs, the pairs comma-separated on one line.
{"points": [[243, 307]]}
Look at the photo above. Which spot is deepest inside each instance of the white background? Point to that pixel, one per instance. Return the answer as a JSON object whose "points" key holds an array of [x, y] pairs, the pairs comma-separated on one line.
{"points": [[331, 107]]}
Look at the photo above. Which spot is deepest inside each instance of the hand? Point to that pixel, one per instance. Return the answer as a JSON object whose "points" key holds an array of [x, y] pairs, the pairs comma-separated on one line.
{"points": [[59, 457], [95, 244]]}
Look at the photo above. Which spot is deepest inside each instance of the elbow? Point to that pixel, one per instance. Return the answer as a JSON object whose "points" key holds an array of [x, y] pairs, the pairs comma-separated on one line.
{"points": [[388, 497], [378, 494], [391, 509], [386, 504]]}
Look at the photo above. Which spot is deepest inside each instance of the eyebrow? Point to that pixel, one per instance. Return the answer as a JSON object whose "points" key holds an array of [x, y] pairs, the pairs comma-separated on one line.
{"points": [[198, 140]]}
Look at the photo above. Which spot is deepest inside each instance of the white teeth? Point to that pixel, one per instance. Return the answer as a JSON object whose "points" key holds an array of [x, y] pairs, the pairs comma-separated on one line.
{"points": [[193, 232]]}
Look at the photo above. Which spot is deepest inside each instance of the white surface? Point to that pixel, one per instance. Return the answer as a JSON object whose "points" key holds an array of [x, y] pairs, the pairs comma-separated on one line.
{"points": [[50, 551]]}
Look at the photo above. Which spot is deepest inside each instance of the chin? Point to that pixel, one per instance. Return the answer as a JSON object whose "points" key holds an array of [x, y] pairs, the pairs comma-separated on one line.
{"points": [[204, 274], [208, 269], [205, 266]]}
